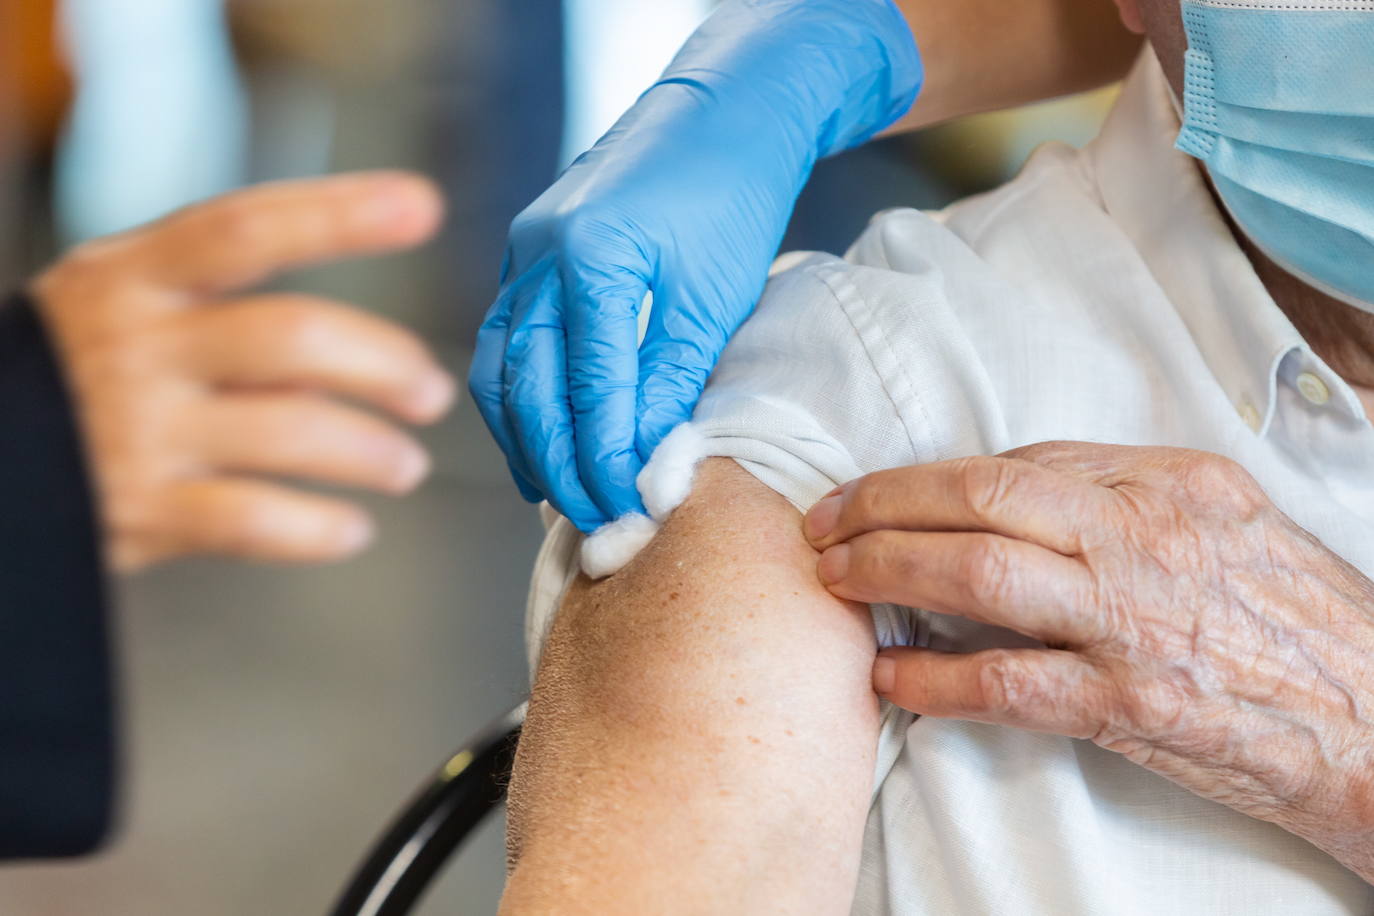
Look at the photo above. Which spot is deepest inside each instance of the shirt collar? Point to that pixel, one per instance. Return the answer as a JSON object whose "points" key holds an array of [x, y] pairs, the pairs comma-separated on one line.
{"points": [[1160, 198]]}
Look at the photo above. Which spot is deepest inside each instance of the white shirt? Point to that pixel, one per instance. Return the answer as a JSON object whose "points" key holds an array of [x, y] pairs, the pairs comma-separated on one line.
{"points": [[1099, 296]]}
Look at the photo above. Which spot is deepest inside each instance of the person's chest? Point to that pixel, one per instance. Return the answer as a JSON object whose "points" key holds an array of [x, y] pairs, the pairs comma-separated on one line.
{"points": [[1062, 826], [1080, 336], [1142, 380]]}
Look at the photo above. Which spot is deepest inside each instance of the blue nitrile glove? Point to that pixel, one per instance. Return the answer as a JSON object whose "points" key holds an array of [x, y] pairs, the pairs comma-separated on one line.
{"points": [[688, 196]]}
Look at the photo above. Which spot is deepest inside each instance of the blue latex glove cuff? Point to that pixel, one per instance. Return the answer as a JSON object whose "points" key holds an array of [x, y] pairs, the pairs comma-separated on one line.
{"points": [[862, 69]]}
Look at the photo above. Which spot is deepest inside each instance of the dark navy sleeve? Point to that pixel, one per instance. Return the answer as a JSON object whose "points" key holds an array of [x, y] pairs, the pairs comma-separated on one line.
{"points": [[57, 755]]}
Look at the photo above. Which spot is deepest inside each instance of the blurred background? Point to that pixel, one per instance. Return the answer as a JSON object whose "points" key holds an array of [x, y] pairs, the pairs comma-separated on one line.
{"points": [[274, 719]]}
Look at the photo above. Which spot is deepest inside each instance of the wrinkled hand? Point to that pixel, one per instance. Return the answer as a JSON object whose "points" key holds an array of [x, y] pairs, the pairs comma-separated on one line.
{"points": [[187, 396], [1191, 625]]}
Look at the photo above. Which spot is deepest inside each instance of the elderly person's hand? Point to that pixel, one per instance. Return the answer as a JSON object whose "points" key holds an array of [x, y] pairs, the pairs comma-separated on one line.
{"points": [[189, 395], [1191, 625]]}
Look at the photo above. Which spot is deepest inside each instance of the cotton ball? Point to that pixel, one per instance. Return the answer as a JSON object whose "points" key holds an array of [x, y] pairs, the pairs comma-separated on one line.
{"points": [[611, 547], [666, 481], [664, 484]]}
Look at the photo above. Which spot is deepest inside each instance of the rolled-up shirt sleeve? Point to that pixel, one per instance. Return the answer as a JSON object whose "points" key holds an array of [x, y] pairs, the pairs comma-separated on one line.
{"points": [[795, 400], [843, 369], [57, 758], [846, 367]]}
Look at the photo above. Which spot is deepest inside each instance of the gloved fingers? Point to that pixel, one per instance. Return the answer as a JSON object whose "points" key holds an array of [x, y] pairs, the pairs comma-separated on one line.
{"points": [[669, 391], [678, 354], [537, 402], [486, 384], [310, 437], [296, 340], [250, 519], [603, 381]]}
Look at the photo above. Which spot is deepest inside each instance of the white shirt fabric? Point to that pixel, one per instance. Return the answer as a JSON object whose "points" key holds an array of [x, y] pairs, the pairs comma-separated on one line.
{"points": [[1099, 296]]}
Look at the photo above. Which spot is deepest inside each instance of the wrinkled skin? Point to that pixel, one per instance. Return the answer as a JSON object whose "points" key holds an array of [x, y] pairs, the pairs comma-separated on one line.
{"points": [[188, 396], [1191, 626]]}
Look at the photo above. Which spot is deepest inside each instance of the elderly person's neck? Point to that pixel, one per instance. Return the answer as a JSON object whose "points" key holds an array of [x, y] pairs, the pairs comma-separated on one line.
{"points": [[1340, 334]]}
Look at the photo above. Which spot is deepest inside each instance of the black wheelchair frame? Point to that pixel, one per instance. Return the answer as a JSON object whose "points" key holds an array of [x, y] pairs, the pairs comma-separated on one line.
{"points": [[445, 811]]}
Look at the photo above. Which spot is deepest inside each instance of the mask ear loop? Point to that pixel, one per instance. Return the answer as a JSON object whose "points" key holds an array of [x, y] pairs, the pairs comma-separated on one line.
{"points": [[1199, 115]]}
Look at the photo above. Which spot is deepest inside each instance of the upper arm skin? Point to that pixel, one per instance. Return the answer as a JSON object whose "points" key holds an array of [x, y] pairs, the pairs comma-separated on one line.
{"points": [[702, 730]]}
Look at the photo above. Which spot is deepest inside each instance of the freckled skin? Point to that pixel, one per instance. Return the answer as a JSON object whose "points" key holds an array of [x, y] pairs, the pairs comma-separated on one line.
{"points": [[671, 752]]}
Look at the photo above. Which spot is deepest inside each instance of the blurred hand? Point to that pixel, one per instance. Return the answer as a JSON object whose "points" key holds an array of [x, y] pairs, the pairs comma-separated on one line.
{"points": [[189, 396], [688, 196]]}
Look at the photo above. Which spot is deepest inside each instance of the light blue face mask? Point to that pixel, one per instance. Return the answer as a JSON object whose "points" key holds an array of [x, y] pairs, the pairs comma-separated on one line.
{"points": [[1279, 102]]}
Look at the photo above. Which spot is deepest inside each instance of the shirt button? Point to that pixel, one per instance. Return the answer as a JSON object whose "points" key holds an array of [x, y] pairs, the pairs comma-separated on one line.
{"points": [[1250, 415], [1313, 389]]}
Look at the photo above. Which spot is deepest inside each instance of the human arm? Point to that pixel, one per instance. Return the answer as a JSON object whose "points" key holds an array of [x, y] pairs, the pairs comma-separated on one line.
{"points": [[689, 196], [984, 55], [56, 729], [138, 407], [673, 759], [1192, 626]]}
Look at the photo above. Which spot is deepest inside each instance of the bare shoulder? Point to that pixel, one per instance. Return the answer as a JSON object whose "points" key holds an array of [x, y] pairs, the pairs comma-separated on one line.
{"points": [[726, 530]]}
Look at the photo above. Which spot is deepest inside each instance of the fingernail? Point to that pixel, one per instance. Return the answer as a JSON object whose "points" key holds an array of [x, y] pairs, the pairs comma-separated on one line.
{"points": [[434, 396], [355, 534], [385, 203], [820, 521], [412, 468], [834, 564], [397, 200], [884, 675]]}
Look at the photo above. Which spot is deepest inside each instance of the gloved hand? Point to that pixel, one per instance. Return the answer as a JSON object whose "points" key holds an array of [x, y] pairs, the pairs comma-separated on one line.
{"points": [[688, 196]]}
